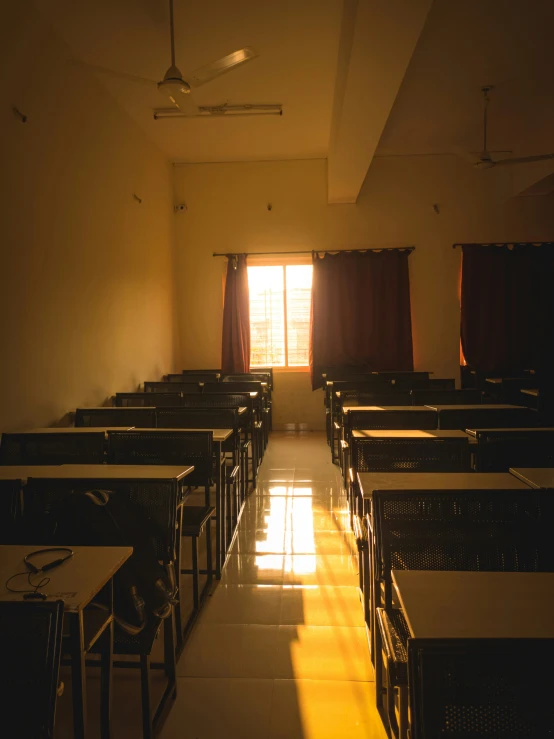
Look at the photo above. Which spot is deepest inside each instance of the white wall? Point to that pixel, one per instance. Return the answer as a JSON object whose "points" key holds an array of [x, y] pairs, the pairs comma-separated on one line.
{"points": [[86, 285], [227, 212]]}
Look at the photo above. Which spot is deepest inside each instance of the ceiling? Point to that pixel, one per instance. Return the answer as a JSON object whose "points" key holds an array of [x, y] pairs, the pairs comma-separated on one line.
{"points": [[356, 78], [297, 42], [463, 46]]}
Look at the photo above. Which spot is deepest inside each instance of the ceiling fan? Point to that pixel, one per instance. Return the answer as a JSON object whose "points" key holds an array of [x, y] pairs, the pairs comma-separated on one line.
{"points": [[174, 87], [485, 160]]}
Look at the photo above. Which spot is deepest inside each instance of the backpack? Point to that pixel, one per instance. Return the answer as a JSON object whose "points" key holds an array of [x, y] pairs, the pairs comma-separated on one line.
{"points": [[144, 590]]}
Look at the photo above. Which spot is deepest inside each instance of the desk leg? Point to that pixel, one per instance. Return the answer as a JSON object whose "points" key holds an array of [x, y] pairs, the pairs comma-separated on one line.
{"points": [[253, 436], [78, 675], [218, 513], [106, 667]]}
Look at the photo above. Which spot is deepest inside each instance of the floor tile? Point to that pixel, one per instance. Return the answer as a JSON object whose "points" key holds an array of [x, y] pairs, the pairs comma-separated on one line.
{"points": [[323, 653], [324, 709], [231, 650], [244, 604], [321, 606], [254, 569], [217, 708], [269, 651], [296, 540], [323, 569], [280, 647]]}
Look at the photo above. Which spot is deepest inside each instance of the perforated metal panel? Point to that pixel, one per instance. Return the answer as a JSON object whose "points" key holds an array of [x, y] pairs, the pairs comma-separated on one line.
{"points": [[474, 418], [166, 448], [410, 455], [392, 419], [138, 417], [233, 387], [155, 399], [446, 397], [487, 530], [10, 510], [158, 500], [399, 397], [482, 689], [59, 448], [499, 452], [187, 386], [31, 648]]}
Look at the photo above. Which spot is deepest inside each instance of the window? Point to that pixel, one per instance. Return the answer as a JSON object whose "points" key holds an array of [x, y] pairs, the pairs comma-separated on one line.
{"points": [[279, 315]]}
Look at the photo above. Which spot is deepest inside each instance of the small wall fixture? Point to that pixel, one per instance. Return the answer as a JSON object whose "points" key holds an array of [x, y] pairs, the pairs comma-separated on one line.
{"points": [[136, 197], [436, 208], [18, 114]]}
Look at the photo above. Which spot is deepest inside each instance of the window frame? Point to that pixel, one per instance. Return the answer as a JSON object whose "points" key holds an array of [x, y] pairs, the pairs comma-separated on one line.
{"points": [[289, 260]]}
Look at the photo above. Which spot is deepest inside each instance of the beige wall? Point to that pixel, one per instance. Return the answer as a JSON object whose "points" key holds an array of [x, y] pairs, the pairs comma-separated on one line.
{"points": [[86, 292], [227, 211]]}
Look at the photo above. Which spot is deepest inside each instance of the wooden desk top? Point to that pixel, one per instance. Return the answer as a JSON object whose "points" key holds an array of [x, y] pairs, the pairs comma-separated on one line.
{"points": [[494, 380], [77, 430], [408, 434], [219, 435], [76, 581], [530, 391], [476, 432], [411, 408], [536, 477], [109, 472], [484, 407], [372, 481], [22, 472], [120, 408], [477, 605]]}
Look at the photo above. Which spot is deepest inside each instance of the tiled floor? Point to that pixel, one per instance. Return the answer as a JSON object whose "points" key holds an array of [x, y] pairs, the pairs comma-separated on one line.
{"points": [[279, 650]]}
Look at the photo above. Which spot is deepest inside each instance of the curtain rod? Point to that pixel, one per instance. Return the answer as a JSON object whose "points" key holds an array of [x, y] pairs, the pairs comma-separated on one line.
{"points": [[509, 243], [312, 251]]}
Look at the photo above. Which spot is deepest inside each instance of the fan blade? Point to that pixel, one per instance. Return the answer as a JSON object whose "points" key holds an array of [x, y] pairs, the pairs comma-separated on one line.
{"points": [[178, 94], [523, 160], [186, 105], [227, 63], [423, 154], [114, 73]]}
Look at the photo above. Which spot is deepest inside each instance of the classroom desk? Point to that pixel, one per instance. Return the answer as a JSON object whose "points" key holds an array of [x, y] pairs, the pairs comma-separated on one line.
{"points": [[468, 605], [463, 416], [111, 408], [174, 473], [219, 436], [76, 582], [139, 414], [409, 434], [353, 406], [530, 391], [540, 478], [369, 482], [536, 430], [77, 430]]}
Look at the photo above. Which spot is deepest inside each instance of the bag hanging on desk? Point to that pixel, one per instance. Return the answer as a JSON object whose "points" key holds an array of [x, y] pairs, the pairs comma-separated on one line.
{"points": [[143, 589]]}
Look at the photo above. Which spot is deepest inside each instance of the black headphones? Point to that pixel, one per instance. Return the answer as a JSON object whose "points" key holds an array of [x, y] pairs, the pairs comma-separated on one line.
{"points": [[34, 592], [49, 565]]}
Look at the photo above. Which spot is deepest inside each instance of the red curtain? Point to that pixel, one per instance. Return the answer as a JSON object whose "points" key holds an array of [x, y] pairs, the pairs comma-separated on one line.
{"points": [[507, 307], [235, 341], [361, 312]]}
